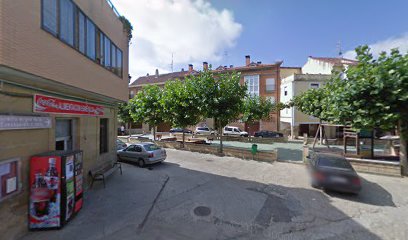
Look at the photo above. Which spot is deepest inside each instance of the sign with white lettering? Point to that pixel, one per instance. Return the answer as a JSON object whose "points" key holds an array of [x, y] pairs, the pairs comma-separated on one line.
{"points": [[48, 104], [8, 122]]}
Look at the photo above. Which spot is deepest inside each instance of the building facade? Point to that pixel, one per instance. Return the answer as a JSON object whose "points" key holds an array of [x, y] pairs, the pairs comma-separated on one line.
{"points": [[262, 80], [63, 69], [314, 74]]}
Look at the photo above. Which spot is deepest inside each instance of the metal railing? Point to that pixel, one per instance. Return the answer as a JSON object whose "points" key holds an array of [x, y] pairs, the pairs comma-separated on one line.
{"points": [[113, 8]]}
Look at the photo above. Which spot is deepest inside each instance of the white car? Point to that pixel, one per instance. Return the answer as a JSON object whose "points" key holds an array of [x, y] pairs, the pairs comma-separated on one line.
{"points": [[229, 130], [204, 130]]}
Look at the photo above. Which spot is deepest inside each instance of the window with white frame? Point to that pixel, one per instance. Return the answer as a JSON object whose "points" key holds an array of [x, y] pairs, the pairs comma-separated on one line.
{"points": [[314, 85], [270, 84], [252, 83]]}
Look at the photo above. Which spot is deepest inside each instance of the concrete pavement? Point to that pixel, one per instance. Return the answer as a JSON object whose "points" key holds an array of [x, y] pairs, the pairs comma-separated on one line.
{"points": [[200, 196]]}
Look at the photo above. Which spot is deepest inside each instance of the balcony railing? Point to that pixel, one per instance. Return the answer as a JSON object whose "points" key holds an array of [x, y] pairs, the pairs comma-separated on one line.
{"points": [[113, 8]]}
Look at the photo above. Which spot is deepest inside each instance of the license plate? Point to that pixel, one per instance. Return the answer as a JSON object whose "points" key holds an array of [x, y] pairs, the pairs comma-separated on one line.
{"points": [[339, 179]]}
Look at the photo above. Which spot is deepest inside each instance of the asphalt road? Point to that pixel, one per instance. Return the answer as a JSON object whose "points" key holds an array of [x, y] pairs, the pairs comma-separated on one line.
{"points": [[201, 196]]}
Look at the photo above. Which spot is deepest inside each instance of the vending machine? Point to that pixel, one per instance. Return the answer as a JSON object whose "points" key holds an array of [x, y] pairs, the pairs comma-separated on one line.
{"points": [[56, 189]]}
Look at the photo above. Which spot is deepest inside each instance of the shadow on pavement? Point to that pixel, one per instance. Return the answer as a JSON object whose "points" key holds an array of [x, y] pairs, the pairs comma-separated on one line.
{"points": [[371, 193], [166, 201]]}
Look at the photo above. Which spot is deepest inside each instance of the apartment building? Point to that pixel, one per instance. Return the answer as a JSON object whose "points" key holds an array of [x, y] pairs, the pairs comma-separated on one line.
{"points": [[314, 74], [262, 80], [63, 69]]}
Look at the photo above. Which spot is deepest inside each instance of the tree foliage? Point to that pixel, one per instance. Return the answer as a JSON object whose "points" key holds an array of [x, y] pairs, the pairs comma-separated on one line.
{"points": [[123, 113], [182, 103], [257, 108], [146, 106]]}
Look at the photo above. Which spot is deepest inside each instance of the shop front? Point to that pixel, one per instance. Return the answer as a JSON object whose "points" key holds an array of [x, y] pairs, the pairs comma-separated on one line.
{"points": [[34, 123]]}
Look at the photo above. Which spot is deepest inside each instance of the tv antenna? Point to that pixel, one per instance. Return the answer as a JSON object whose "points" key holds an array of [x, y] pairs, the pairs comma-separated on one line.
{"points": [[339, 50], [172, 63]]}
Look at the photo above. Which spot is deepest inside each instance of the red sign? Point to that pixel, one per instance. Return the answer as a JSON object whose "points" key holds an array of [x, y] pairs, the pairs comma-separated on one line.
{"points": [[47, 104]]}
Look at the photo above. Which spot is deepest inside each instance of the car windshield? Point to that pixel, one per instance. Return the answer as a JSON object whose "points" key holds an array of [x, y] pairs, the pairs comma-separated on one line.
{"points": [[239, 130], [151, 147], [202, 128], [334, 162]]}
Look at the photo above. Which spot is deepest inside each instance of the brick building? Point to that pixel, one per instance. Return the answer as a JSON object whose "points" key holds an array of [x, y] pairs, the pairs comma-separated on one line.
{"points": [[63, 69], [262, 80]]}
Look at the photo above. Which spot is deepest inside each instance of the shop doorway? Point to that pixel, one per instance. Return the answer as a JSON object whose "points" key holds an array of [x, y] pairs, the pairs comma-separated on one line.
{"points": [[63, 134]]}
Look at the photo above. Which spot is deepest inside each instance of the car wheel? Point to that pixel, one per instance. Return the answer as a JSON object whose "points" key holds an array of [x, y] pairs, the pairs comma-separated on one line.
{"points": [[141, 163], [119, 159]]}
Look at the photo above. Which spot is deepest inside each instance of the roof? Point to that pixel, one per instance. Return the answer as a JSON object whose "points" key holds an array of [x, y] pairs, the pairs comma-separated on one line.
{"points": [[161, 78], [335, 61]]}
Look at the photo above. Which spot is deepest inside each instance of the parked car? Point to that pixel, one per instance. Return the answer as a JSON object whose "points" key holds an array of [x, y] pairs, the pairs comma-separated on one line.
{"points": [[204, 130], [229, 130], [143, 154], [268, 134], [120, 144], [333, 172], [180, 130]]}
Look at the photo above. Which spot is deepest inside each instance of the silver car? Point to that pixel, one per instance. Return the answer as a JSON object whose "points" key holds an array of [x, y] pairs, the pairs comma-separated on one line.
{"points": [[143, 154]]}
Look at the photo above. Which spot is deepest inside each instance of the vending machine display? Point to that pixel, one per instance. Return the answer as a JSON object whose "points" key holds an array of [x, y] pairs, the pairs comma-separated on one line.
{"points": [[56, 189]]}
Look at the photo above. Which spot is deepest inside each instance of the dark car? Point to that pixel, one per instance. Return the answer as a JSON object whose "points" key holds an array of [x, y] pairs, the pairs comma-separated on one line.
{"points": [[268, 134], [180, 130], [333, 172]]}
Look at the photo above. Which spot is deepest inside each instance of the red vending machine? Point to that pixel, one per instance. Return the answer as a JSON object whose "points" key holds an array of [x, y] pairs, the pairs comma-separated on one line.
{"points": [[56, 192]]}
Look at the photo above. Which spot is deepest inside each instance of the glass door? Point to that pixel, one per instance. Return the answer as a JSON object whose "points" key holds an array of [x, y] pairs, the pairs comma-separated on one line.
{"points": [[63, 134]]}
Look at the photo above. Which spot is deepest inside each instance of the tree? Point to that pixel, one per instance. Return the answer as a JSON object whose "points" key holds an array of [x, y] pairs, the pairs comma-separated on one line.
{"points": [[221, 97], [182, 103], [256, 108], [374, 94], [146, 107], [123, 113]]}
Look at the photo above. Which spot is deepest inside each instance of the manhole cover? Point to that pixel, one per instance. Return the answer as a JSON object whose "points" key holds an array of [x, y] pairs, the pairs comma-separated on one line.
{"points": [[202, 211]]}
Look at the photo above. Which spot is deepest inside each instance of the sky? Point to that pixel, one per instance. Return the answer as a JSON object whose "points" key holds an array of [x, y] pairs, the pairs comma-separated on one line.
{"points": [[222, 32]]}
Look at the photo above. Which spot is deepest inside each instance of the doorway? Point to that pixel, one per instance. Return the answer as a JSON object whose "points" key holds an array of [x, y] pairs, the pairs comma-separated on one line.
{"points": [[63, 134]]}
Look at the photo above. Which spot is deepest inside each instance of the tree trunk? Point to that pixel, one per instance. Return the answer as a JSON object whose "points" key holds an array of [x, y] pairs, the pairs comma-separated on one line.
{"points": [[183, 137], [154, 133], [403, 127], [220, 150], [320, 132]]}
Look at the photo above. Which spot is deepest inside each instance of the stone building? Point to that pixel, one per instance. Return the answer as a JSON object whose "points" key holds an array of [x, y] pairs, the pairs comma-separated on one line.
{"points": [[63, 69]]}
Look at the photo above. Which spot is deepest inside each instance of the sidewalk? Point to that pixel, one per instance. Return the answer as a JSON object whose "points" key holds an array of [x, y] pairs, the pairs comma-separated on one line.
{"points": [[123, 203]]}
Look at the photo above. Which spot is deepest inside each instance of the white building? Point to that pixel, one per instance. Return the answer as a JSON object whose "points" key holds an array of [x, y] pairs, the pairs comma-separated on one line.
{"points": [[315, 73]]}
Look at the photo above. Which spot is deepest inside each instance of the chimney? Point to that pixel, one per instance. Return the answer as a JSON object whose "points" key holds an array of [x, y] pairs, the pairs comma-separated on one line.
{"points": [[147, 74], [157, 73], [247, 60], [182, 69], [205, 65], [190, 67]]}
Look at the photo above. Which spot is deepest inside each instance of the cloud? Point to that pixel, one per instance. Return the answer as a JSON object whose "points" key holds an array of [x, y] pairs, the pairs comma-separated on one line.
{"points": [[194, 31], [400, 42]]}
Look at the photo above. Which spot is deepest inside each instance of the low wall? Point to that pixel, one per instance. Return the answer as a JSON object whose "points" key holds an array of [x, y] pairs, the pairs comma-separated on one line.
{"points": [[388, 168], [377, 167], [264, 156]]}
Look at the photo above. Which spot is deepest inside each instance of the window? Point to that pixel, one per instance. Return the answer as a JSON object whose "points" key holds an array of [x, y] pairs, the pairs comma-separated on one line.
{"points": [[252, 83], [81, 32], [314, 85], [132, 94], [271, 99], [107, 52], [285, 90], [49, 16], [270, 84], [119, 62], [67, 22], [113, 57], [90, 39], [103, 135], [64, 20], [101, 48]]}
